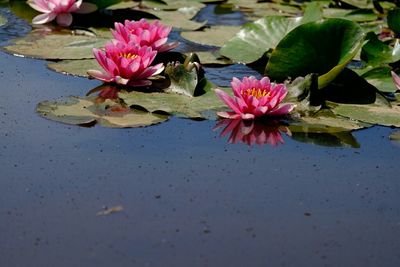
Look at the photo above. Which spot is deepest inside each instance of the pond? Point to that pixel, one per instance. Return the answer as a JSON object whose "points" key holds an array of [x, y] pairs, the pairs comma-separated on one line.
{"points": [[179, 194]]}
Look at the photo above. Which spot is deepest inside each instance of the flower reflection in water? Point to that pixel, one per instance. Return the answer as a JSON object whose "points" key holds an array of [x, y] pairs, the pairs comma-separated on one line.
{"points": [[251, 132]]}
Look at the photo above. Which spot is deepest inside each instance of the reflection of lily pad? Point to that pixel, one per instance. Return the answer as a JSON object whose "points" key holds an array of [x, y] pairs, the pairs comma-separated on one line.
{"points": [[83, 111], [214, 36], [254, 39], [395, 136], [42, 45], [323, 47]]}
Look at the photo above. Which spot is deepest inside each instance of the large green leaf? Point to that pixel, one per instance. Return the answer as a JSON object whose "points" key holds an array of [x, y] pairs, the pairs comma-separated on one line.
{"points": [[254, 39], [84, 111], [393, 20], [323, 47], [44, 45], [376, 52], [358, 15]]}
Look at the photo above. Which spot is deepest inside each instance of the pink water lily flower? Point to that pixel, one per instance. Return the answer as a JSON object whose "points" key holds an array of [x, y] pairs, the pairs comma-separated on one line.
{"points": [[60, 10], [126, 64], [396, 80], [254, 98], [141, 32]]}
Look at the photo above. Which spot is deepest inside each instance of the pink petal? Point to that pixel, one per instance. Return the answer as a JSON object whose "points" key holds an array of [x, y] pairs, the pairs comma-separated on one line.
{"points": [[228, 100], [396, 80], [39, 6], [64, 19], [282, 110], [228, 115], [44, 18], [100, 75], [248, 116], [167, 47]]}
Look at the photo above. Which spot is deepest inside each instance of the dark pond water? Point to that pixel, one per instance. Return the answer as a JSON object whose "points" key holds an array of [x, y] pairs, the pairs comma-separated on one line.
{"points": [[189, 198]]}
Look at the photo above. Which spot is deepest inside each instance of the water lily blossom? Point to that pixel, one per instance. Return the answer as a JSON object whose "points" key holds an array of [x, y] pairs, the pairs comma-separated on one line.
{"points": [[153, 34], [396, 80], [254, 98], [60, 10], [126, 64]]}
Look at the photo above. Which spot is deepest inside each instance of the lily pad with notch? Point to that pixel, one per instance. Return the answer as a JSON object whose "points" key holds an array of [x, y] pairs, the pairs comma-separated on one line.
{"points": [[323, 47], [85, 111]]}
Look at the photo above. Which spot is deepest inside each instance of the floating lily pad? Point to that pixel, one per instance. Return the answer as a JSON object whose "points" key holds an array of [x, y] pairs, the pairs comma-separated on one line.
{"points": [[41, 44], [104, 3], [376, 52], [203, 106], [74, 67], [214, 36], [323, 47], [380, 78], [85, 111], [212, 58], [254, 39], [373, 114], [177, 19], [358, 15], [3, 20]]}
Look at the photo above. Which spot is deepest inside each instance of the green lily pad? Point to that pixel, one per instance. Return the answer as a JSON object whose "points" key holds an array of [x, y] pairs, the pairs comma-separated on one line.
{"points": [[373, 114], [3, 20], [178, 19], [256, 38], [376, 52], [39, 44], [393, 20], [212, 58], [357, 15], [380, 78], [203, 106], [74, 67], [85, 111], [323, 47], [214, 36]]}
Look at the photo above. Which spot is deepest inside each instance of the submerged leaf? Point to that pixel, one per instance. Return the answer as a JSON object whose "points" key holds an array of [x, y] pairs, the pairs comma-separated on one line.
{"points": [[84, 111]]}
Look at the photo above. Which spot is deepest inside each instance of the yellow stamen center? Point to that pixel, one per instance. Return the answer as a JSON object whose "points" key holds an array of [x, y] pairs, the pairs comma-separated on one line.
{"points": [[256, 92], [128, 55]]}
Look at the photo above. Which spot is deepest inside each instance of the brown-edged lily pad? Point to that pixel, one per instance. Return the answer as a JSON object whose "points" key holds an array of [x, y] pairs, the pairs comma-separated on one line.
{"points": [[85, 111]]}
